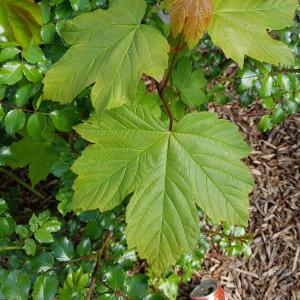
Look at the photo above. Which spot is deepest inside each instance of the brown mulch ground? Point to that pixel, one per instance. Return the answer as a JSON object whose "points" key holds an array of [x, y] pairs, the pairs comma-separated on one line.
{"points": [[273, 271]]}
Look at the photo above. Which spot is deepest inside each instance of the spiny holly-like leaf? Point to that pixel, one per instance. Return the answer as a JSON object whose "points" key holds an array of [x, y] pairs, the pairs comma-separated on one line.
{"points": [[240, 28], [21, 21], [116, 48], [40, 155], [169, 173], [191, 17]]}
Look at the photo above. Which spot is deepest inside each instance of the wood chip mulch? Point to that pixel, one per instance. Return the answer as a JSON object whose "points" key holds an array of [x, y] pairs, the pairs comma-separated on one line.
{"points": [[273, 271]]}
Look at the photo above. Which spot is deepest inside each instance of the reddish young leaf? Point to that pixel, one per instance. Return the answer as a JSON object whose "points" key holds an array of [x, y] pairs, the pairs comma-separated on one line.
{"points": [[191, 17]]}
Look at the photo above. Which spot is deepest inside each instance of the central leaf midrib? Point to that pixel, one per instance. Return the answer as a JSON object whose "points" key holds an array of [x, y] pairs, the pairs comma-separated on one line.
{"points": [[166, 196]]}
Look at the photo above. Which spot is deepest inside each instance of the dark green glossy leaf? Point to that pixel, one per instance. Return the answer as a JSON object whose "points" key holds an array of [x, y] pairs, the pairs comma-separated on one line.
{"points": [[267, 86], [284, 82], [239, 231], [45, 10], [16, 286], [291, 106], [11, 73], [41, 263], [45, 287], [63, 249], [48, 32], [32, 73], [7, 226], [79, 5], [52, 225], [22, 231], [93, 230], [84, 247], [247, 250], [115, 277], [33, 54], [36, 124], [268, 103], [33, 223], [14, 121], [248, 79], [43, 236], [65, 119], [138, 287], [29, 247], [278, 115], [43, 217], [23, 93], [8, 53], [246, 98], [265, 123]]}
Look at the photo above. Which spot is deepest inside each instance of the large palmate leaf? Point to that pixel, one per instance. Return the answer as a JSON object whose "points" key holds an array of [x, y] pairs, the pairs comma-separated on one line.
{"points": [[169, 173], [20, 21], [240, 28], [111, 49], [191, 17]]}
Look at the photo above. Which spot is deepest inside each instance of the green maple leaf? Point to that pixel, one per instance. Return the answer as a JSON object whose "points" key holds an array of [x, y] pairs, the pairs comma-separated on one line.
{"points": [[40, 155], [190, 84], [20, 21], [169, 173], [240, 28], [110, 48]]}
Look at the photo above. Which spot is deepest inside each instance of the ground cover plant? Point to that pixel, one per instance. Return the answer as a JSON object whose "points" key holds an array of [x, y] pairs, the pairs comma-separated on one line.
{"points": [[104, 122]]}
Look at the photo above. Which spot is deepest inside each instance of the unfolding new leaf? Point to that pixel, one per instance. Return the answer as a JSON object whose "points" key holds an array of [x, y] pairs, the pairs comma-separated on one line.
{"points": [[168, 172], [116, 49], [240, 28], [191, 17], [20, 21]]}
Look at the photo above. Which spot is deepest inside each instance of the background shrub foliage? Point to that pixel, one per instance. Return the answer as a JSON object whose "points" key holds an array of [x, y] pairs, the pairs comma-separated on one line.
{"points": [[145, 181]]}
